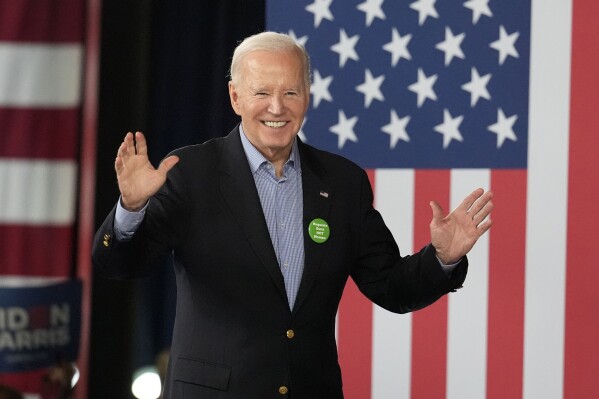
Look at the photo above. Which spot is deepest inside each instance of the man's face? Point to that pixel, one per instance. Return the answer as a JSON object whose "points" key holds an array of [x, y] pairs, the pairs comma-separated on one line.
{"points": [[271, 97]]}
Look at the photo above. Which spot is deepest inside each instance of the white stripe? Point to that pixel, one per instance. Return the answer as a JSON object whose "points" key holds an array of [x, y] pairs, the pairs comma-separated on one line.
{"points": [[551, 30], [36, 75], [37, 192], [29, 281], [392, 333], [467, 308]]}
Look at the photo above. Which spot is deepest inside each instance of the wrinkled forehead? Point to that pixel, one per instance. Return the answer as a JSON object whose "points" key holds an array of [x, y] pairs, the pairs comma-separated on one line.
{"points": [[270, 63]]}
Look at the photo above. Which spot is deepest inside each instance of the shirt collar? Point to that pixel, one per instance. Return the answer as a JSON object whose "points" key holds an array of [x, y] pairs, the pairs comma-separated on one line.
{"points": [[255, 158]]}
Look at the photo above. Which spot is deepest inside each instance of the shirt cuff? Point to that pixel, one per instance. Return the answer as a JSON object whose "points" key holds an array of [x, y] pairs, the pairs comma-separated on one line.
{"points": [[126, 223], [448, 269]]}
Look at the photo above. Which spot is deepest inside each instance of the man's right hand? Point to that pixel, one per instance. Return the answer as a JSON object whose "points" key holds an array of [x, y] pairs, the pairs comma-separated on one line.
{"points": [[138, 179]]}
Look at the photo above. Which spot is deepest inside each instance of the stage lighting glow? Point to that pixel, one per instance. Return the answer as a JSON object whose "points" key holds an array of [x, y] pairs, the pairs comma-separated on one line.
{"points": [[146, 383]]}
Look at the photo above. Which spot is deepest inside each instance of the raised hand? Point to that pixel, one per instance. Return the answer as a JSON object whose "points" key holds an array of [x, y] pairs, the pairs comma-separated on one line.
{"points": [[454, 235], [138, 179]]}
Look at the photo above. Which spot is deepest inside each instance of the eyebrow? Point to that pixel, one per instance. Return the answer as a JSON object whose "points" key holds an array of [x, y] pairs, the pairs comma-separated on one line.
{"points": [[257, 89]]}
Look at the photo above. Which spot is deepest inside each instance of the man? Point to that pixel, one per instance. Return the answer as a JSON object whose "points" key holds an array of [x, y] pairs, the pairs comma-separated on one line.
{"points": [[264, 232]]}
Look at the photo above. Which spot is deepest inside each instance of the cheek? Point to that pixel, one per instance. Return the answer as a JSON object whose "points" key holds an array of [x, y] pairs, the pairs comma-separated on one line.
{"points": [[300, 110], [251, 110]]}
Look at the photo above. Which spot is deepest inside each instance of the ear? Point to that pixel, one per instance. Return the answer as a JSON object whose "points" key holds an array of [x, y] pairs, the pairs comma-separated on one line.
{"points": [[234, 97]]}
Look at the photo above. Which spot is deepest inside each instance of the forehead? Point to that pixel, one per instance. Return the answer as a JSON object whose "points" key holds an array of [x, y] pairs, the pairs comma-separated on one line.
{"points": [[273, 66]]}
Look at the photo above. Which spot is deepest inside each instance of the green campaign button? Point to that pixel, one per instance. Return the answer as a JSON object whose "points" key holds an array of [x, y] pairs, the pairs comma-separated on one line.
{"points": [[319, 230]]}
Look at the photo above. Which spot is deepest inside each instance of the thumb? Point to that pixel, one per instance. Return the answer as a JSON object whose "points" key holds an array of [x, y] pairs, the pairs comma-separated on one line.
{"points": [[437, 212], [168, 163]]}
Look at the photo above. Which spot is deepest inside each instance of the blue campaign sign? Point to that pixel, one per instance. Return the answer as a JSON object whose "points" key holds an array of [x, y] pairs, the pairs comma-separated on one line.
{"points": [[39, 325]]}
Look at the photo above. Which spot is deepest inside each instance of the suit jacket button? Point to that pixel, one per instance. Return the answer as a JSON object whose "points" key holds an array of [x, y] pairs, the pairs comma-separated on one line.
{"points": [[106, 240], [283, 390], [290, 334]]}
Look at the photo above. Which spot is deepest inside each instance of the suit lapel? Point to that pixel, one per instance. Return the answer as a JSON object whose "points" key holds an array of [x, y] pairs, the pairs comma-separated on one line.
{"points": [[317, 204], [239, 191]]}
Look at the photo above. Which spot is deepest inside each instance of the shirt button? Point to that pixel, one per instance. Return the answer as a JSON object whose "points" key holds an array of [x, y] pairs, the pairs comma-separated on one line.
{"points": [[290, 334], [283, 390]]}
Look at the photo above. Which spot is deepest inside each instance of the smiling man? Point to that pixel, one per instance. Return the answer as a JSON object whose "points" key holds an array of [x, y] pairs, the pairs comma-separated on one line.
{"points": [[270, 91], [264, 232]]}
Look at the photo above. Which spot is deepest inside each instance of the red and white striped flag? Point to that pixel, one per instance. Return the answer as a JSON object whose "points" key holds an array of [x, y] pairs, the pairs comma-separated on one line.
{"points": [[40, 90], [41, 61], [437, 98]]}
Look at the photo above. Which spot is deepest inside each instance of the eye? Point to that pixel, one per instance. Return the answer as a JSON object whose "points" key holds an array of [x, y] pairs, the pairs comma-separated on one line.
{"points": [[291, 93]]}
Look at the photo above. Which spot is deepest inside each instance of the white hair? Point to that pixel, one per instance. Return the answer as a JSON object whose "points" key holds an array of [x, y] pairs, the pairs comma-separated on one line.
{"points": [[268, 41]]}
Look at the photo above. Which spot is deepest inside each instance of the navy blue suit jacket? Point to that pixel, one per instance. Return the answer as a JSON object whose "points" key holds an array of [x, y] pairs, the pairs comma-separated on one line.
{"points": [[234, 334]]}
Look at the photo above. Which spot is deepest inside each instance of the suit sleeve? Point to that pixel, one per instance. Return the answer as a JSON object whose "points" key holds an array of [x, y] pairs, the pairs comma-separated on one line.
{"points": [[397, 283], [163, 226]]}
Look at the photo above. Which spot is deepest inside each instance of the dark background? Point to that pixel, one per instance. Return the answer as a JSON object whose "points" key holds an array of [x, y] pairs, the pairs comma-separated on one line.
{"points": [[163, 71]]}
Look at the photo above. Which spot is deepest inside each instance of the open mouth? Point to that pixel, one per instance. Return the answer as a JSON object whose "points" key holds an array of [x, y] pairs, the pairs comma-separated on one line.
{"points": [[275, 124]]}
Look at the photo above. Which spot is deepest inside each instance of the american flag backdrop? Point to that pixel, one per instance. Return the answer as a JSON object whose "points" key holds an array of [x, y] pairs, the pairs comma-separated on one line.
{"points": [[42, 60], [436, 98]]}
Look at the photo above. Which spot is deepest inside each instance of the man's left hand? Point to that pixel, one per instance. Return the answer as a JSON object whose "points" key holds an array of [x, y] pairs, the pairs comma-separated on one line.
{"points": [[454, 235]]}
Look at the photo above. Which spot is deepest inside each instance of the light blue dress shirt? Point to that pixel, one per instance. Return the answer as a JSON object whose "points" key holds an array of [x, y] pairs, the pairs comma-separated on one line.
{"points": [[283, 207]]}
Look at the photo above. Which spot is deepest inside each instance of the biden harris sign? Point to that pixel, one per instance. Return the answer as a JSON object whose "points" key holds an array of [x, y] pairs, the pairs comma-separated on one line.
{"points": [[39, 325]]}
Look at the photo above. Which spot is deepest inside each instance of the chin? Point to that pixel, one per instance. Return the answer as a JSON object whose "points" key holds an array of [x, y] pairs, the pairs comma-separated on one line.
{"points": [[282, 138]]}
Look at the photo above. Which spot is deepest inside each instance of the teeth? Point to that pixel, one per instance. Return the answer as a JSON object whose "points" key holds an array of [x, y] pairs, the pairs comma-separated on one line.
{"points": [[274, 124]]}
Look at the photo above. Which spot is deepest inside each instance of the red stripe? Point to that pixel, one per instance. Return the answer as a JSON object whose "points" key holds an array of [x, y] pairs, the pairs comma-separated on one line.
{"points": [[429, 325], [355, 338], [26, 381], [41, 20], [87, 182], [36, 250], [505, 345], [355, 342], [39, 133], [582, 274]]}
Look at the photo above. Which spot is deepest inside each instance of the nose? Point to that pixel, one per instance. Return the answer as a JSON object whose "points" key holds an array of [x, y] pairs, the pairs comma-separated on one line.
{"points": [[276, 105]]}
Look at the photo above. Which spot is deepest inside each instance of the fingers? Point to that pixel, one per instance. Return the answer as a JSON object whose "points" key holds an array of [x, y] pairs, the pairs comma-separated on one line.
{"points": [[168, 163], [140, 144], [477, 205], [118, 164], [127, 148], [483, 227], [480, 202], [480, 213], [437, 212], [121, 155], [481, 208], [132, 145], [467, 203], [129, 144]]}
